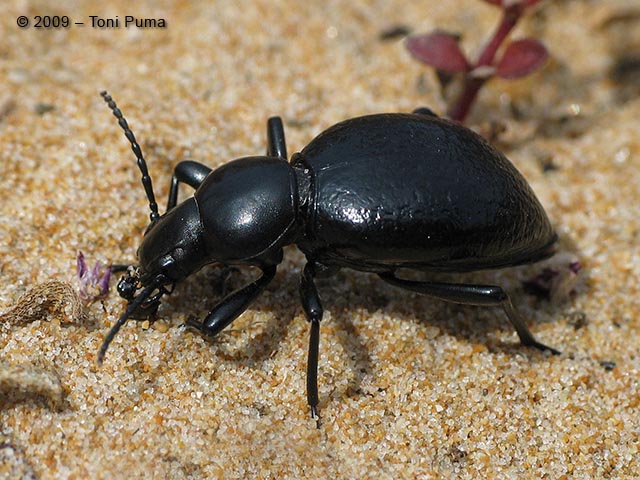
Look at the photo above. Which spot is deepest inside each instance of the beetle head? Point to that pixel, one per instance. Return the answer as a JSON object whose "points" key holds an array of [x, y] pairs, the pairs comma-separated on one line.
{"points": [[130, 287], [174, 245], [172, 249]]}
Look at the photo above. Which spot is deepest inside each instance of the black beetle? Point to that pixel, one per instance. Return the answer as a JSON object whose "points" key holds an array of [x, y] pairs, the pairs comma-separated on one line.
{"points": [[376, 193]]}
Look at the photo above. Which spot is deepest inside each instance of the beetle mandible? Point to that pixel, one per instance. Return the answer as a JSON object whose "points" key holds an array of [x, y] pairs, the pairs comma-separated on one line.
{"points": [[376, 193]]}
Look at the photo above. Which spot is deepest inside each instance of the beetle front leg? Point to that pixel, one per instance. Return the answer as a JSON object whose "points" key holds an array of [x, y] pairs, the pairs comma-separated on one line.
{"points": [[189, 172], [233, 305], [313, 311], [480, 295]]}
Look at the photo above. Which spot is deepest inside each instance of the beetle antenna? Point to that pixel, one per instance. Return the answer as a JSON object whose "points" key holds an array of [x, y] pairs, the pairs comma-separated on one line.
{"points": [[133, 306], [142, 164]]}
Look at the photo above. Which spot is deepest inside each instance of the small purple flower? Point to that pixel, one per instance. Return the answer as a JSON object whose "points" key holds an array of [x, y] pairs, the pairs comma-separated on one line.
{"points": [[94, 283], [557, 281]]}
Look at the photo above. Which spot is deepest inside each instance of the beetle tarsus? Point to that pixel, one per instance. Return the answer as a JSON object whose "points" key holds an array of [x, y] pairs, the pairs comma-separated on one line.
{"points": [[315, 416], [542, 347], [526, 337]]}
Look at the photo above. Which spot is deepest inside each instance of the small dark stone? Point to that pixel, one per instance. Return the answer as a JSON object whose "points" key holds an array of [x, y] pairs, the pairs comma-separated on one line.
{"points": [[394, 32], [608, 365]]}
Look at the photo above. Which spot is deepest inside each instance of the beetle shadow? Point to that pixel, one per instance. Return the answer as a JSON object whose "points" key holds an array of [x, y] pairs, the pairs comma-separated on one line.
{"points": [[478, 325], [354, 345], [278, 300], [267, 338]]}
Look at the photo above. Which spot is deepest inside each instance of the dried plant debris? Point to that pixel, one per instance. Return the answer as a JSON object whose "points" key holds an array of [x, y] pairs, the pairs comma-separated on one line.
{"points": [[46, 301], [19, 382], [13, 464]]}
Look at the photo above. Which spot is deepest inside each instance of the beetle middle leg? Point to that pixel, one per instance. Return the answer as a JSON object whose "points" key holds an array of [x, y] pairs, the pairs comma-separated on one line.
{"points": [[425, 111], [233, 305], [276, 145], [189, 172], [313, 311], [480, 295]]}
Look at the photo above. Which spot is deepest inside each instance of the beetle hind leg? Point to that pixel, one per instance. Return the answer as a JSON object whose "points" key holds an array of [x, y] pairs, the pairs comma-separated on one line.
{"points": [[480, 295], [189, 172]]}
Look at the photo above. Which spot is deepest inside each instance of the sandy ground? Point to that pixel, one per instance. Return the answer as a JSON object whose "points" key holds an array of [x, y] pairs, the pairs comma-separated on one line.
{"points": [[409, 387]]}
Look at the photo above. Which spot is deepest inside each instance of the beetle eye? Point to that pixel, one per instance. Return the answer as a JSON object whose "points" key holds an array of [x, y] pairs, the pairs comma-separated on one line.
{"points": [[168, 265]]}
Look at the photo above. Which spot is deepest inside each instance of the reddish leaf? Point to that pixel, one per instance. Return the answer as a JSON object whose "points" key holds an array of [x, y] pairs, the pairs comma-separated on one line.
{"points": [[521, 58], [495, 2], [440, 50]]}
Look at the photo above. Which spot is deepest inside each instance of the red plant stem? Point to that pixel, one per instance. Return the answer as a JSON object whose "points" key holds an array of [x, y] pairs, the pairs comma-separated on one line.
{"points": [[472, 85], [459, 110]]}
